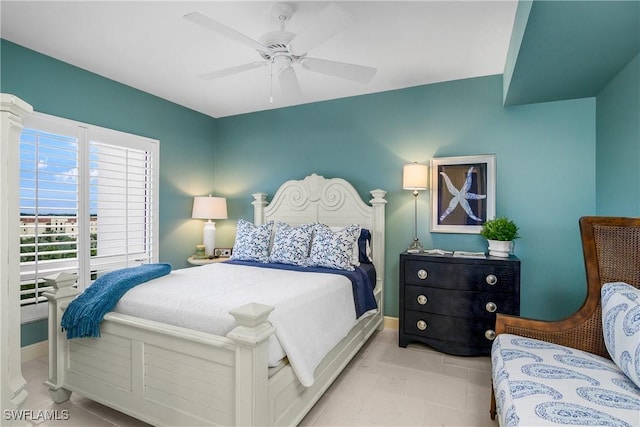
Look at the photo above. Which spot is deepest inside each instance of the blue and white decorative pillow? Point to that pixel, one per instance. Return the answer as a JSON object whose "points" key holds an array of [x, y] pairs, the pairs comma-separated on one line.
{"points": [[252, 242], [291, 245], [333, 249], [621, 327], [355, 250]]}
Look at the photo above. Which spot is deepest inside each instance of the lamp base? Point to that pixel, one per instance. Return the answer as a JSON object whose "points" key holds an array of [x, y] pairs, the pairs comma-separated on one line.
{"points": [[415, 247], [209, 238]]}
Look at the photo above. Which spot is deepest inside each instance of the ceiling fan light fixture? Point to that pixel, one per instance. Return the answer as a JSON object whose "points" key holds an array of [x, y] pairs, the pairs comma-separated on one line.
{"points": [[281, 60]]}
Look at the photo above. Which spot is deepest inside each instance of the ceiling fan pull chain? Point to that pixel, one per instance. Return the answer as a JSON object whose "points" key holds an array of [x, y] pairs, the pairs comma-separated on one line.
{"points": [[271, 82]]}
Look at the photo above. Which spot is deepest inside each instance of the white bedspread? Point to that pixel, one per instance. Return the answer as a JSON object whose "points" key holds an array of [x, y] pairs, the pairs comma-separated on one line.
{"points": [[313, 311]]}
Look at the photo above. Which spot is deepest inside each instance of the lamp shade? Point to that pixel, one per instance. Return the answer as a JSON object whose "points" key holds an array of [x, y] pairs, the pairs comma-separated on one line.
{"points": [[209, 208], [415, 176]]}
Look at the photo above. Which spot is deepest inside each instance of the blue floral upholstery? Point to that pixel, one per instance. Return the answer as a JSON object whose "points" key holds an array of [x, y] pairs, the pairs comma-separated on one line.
{"points": [[621, 327], [252, 243], [333, 249], [291, 245], [537, 383]]}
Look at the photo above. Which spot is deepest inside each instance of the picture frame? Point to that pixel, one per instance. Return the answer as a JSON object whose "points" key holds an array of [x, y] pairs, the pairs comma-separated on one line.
{"points": [[449, 177]]}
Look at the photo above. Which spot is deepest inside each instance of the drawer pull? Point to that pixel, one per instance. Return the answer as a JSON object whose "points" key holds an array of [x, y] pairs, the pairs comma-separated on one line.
{"points": [[422, 274], [491, 307], [422, 325], [490, 334], [422, 300], [491, 280]]}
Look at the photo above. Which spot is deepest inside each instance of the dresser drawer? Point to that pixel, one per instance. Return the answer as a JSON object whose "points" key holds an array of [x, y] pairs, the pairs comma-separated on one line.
{"points": [[457, 303], [477, 277], [449, 328]]}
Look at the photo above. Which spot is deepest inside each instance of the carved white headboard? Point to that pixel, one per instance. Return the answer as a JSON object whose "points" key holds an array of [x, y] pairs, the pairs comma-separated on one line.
{"points": [[333, 202]]}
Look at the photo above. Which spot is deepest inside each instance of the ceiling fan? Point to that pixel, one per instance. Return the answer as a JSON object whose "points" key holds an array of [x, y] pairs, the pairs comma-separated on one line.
{"points": [[282, 49]]}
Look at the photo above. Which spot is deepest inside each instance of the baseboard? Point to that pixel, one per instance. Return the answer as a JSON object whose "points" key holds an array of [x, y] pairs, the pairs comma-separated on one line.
{"points": [[390, 322], [35, 351]]}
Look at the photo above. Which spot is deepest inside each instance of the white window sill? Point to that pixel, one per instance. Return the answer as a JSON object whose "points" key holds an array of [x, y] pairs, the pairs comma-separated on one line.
{"points": [[31, 313]]}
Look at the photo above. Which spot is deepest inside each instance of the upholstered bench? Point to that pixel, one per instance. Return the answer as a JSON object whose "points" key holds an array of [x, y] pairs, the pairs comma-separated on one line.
{"points": [[583, 370], [541, 384]]}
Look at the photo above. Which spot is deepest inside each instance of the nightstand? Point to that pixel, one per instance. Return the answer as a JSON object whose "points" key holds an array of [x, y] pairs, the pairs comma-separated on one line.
{"points": [[450, 303], [202, 261]]}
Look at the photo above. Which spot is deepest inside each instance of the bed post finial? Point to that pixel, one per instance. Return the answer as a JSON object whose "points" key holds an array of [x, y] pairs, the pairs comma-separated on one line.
{"points": [[259, 203]]}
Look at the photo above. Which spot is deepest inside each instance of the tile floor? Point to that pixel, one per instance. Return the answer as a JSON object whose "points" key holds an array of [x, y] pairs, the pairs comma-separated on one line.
{"points": [[384, 385]]}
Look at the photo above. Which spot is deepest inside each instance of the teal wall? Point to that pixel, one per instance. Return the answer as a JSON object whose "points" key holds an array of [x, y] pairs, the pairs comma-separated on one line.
{"points": [[33, 332], [545, 170], [187, 138], [618, 144]]}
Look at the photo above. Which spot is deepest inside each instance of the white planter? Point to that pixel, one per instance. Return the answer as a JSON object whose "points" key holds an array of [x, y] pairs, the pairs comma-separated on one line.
{"points": [[500, 248]]}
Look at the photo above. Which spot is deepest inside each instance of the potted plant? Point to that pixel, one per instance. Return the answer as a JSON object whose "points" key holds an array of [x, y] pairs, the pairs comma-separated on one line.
{"points": [[500, 233]]}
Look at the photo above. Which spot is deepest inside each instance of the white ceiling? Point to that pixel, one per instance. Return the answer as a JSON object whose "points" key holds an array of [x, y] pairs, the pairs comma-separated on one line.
{"points": [[150, 46]]}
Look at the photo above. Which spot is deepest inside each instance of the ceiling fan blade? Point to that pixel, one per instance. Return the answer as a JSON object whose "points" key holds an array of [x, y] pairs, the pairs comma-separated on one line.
{"points": [[209, 23], [357, 73], [289, 84], [232, 70], [331, 20]]}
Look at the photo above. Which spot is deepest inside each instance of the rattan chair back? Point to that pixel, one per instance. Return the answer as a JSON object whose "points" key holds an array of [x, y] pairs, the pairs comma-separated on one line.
{"points": [[611, 247]]}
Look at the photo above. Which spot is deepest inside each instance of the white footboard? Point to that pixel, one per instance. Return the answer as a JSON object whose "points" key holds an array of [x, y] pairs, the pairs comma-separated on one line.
{"points": [[166, 375]]}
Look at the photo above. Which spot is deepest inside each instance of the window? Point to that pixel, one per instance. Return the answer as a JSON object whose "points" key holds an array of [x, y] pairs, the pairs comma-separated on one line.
{"points": [[88, 203]]}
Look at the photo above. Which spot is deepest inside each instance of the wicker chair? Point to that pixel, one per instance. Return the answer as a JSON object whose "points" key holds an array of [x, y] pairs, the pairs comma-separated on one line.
{"points": [[611, 248]]}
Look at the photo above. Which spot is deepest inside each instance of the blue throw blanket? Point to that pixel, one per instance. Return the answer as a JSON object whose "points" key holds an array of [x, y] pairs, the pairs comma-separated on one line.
{"points": [[84, 314]]}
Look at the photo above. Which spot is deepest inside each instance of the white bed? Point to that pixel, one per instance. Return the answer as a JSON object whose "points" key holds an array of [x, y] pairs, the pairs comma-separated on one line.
{"points": [[312, 311], [172, 375]]}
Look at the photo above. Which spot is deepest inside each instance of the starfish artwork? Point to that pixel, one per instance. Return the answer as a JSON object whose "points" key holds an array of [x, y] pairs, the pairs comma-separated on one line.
{"points": [[461, 196]]}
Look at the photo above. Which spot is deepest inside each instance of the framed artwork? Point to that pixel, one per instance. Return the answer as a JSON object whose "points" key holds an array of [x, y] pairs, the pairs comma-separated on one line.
{"points": [[463, 193]]}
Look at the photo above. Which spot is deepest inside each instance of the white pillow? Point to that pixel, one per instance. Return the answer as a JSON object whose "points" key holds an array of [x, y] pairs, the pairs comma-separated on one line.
{"points": [[333, 249], [355, 251], [621, 327], [291, 245], [252, 243]]}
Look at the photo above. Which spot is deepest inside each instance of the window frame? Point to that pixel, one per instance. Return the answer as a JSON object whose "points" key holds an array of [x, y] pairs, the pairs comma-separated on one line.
{"points": [[86, 134]]}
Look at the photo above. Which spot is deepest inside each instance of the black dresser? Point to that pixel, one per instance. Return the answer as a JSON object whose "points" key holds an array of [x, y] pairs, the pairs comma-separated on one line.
{"points": [[450, 303]]}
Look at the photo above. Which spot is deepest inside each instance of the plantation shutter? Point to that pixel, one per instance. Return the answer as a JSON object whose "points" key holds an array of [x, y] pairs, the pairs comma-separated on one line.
{"points": [[122, 196], [88, 203], [49, 205]]}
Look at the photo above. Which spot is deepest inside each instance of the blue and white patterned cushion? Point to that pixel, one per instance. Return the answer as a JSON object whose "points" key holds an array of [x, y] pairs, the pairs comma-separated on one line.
{"points": [[291, 245], [252, 242], [537, 383], [333, 249], [355, 254], [621, 327]]}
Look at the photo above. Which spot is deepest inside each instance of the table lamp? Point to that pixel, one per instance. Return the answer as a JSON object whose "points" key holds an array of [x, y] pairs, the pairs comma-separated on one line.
{"points": [[415, 177]]}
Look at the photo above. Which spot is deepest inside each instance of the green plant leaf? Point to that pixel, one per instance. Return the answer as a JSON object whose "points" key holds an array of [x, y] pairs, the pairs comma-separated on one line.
{"points": [[500, 229]]}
